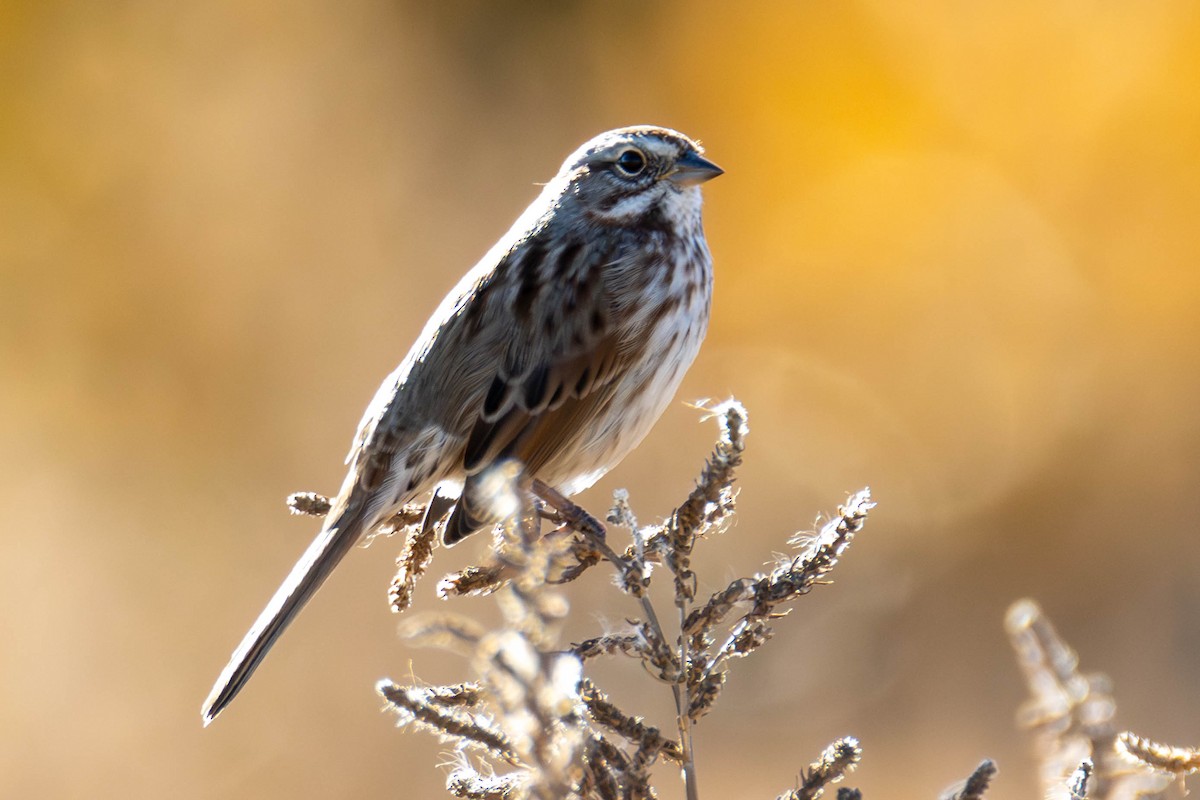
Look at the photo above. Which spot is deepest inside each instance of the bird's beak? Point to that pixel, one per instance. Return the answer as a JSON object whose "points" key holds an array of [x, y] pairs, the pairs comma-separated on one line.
{"points": [[693, 169]]}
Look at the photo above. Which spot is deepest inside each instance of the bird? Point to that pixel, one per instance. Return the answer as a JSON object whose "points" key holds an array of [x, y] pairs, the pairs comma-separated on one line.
{"points": [[558, 352]]}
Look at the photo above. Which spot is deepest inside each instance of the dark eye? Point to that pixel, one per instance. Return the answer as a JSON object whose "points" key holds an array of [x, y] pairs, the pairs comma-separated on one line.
{"points": [[631, 163]]}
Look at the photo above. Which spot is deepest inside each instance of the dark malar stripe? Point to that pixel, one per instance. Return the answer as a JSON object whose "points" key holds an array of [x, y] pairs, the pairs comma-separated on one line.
{"points": [[655, 221], [608, 202]]}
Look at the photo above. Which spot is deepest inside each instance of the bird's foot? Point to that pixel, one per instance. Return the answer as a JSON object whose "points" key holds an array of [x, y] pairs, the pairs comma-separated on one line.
{"points": [[570, 513]]}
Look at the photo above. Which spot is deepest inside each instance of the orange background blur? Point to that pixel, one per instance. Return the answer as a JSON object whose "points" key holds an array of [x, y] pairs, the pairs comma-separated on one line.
{"points": [[956, 253]]}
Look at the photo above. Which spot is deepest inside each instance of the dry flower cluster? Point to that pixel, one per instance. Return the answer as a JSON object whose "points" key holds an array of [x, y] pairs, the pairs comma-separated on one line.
{"points": [[531, 724], [1080, 750]]}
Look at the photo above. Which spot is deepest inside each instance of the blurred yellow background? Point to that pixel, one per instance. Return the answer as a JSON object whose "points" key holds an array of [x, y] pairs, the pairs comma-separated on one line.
{"points": [[956, 253]]}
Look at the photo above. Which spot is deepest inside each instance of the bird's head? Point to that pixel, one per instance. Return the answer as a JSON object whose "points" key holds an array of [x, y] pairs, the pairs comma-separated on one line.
{"points": [[629, 173]]}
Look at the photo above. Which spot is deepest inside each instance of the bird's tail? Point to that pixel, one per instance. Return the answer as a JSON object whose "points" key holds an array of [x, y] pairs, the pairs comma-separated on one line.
{"points": [[337, 538]]}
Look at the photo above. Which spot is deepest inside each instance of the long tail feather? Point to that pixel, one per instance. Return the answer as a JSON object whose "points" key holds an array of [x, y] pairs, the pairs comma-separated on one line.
{"points": [[319, 560]]}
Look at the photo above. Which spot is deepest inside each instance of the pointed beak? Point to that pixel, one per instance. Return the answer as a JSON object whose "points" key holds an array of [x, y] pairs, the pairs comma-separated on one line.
{"points": [[693, 169]]}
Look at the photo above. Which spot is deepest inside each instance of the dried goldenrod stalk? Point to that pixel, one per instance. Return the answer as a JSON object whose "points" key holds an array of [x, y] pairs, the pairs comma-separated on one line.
{"points": [[974, 787], [1072, 717], [468, 783], [418, 548], [631, 644], [529, 708], [308, 504], [710, 502], [608, 772], [643, 641], [473, 581], [836, 760], [524, 709], [466, 695], [1077, 784], [414, 560], [790, 579], [649, 739], [1177, 760], [313, 504], [413, 706]]}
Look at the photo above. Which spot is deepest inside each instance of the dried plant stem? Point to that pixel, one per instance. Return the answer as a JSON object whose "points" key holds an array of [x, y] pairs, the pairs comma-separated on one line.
{"points": [[1072, 713], [632, 576], [531, 706], [683, 704], [679, 687]]}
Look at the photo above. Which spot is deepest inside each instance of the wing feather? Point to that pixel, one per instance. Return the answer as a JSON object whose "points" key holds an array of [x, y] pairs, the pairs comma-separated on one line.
{"points": [[523, 355], [564, 351]]}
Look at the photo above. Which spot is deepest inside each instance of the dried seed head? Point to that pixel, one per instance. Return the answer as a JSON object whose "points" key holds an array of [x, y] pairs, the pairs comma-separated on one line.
{"points": [[974, 787], [1077, 784], [473, 581], [1176, 760], [308, 504], [836, 760], [414, 560]]}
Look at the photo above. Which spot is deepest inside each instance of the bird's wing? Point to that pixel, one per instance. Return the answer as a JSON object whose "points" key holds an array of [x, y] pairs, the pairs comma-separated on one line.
{"points": [[562, 351]]}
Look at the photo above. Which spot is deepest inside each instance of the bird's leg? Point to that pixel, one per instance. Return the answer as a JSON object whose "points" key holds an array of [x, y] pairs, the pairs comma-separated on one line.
{"points": [[546, 512], [571, 517], [439, 505], [571, 513]]}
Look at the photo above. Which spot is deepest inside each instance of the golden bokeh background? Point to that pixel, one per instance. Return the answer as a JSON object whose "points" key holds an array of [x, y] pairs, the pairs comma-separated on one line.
{"points": [[956, 252]]}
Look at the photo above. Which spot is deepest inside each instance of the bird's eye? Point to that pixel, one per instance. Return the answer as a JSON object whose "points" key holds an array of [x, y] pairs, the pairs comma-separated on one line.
{"points": [[631, 163]]}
